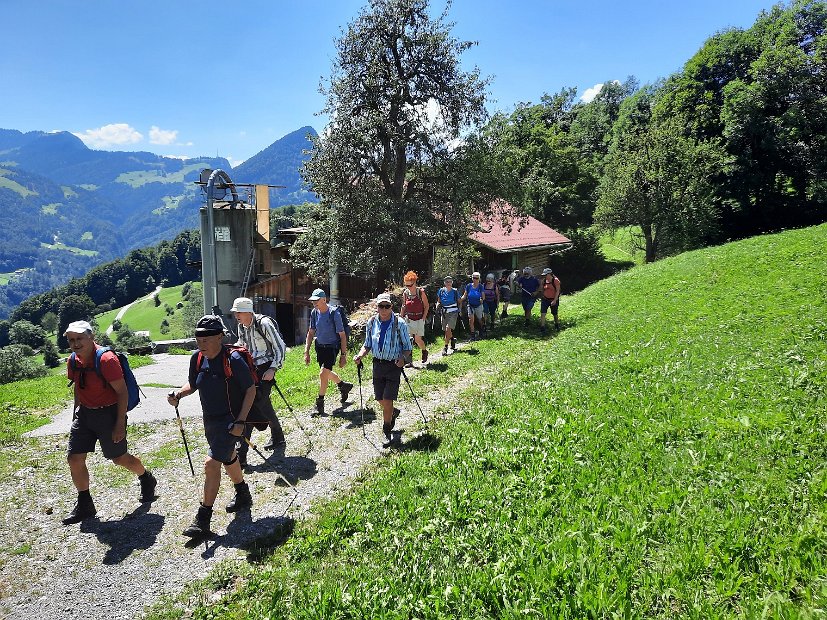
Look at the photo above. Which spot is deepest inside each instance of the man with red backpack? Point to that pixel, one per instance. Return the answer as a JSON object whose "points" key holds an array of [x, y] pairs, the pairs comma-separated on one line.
{"points": [[414, 310], [227, 388], [550, 298], [101, 401]]}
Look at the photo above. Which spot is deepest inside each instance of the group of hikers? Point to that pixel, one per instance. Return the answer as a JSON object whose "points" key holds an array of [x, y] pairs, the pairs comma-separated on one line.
{"points": [[234, 382]]}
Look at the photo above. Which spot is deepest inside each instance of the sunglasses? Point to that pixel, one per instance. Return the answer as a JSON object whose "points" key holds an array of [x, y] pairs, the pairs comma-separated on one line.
{"points": [[476, 277], [385, 306]]}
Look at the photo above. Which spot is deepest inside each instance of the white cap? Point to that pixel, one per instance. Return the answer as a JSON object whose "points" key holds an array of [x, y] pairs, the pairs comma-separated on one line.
{"points": [[78, 327], [242, 304], [384, 297]]}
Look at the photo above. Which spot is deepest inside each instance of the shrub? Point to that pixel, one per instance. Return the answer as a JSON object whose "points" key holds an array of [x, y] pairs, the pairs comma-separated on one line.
{"points": [[51, 358], [116, 325], [24, 332], [157, 299], [14, 366]]}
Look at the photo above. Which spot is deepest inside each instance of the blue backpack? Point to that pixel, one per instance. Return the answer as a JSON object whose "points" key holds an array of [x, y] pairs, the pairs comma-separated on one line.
{"points": [[342, 313], [133, 390]]}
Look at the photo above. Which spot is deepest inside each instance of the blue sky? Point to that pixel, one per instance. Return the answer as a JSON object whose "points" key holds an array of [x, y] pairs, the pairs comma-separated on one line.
{"points": [[229, 78]]}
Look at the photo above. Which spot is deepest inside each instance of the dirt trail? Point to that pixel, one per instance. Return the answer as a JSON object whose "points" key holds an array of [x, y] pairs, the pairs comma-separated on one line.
{"points": [[116, 564]]}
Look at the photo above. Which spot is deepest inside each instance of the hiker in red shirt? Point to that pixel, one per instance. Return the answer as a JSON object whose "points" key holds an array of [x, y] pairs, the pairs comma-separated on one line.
{"points": [[550, 298], [99, 416], [414, 310]]}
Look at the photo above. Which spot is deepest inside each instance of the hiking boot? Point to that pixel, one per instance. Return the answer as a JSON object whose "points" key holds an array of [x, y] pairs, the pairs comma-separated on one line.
{"points": [[557, 325], [319, 406], [200, 526], [504, 314], [395, 415], [344, 388], [445, 350], [148, 484], [424, 356], [84, 508], [276, 438], [242, 498], [454, 344]]}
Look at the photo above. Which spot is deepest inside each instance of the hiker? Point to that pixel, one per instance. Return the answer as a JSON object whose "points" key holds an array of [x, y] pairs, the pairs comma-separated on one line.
{"points": [[473, 297], [490, 299], [448, 305], [504, 284], [529, 285], [99, 415], [550, 298], [327, 327], [227, 389], [414, 310], [260, 335], [387, 339]]}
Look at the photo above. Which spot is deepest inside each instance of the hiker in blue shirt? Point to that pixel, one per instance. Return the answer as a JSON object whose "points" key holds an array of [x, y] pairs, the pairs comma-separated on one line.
{"points": [[388, 340], [528, 285], [473, 295], [448, 306], [327, 327]]}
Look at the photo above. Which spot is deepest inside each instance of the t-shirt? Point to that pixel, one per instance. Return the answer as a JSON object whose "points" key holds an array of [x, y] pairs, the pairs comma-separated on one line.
{"points": [[448, 299], [529, 283], [474, 294], [213, 386], [91, 390], [327, 328]]}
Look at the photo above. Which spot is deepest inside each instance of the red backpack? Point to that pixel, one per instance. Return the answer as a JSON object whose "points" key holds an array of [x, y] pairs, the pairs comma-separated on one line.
{"points": [[414, 306], [228, 369]]}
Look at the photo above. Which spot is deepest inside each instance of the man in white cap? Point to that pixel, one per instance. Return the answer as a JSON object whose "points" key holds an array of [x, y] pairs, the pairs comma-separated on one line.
{"points": [[327, 328], [388, 340], [101, 400], [260, 335]]}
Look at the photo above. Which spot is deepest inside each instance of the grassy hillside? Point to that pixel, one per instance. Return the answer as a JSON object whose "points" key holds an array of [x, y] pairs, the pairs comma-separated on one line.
{"points": [[663, 456], [144, 315]]}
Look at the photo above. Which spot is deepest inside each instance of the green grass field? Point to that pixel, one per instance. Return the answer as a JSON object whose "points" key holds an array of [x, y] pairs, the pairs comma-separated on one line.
{"points": [[662, 456], [145, 315], [618, 246]]}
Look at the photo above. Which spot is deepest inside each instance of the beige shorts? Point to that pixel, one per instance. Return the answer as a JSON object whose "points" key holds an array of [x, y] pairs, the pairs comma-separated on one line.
{"points": [[416, 328]]}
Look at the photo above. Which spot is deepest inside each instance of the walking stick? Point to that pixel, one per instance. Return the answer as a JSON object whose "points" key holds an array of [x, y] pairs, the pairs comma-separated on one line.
{"points": [[183, 435], [362, 406], [295, 417], [415, 399], [264, 458]]}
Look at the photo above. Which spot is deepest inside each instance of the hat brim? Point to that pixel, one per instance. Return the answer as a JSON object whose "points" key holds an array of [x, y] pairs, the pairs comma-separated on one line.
{"points": [[201, 332]]}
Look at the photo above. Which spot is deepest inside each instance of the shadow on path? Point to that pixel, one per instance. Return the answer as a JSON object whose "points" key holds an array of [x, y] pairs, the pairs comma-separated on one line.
{"points": [[136, 530]]}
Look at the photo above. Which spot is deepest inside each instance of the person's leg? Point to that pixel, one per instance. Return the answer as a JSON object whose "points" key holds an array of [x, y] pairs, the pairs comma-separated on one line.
{"points": [[130, 462], [79, 471], [264, 406], [554, 310], [212, 479]]}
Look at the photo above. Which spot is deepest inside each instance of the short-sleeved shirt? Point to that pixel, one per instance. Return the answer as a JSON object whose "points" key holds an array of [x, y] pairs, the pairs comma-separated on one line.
{"points": [[91, 390], [387, 343], [216, 399], [474, 294], [448, 299], [530, 285], [328, 326]]}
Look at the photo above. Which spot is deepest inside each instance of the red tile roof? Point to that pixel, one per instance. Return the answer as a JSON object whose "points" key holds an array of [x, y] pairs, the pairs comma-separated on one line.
{"points": [[531, 233]]}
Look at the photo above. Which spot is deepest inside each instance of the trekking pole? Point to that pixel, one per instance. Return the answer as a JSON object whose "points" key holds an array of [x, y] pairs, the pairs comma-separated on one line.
{"points": [[264, 458], [362, 406], [183, 436], [295, 417], [415, 399]]}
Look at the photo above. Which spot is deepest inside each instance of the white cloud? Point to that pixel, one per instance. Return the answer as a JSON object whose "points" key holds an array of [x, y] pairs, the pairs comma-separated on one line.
{"points": [[115, 134], [162, 136], [592, 92]]}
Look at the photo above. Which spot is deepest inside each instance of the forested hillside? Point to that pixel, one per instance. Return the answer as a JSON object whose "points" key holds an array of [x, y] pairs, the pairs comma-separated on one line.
{"points": [[71, 207]]}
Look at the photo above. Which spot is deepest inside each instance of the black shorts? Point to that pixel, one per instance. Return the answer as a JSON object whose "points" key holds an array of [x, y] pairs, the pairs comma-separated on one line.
{"points": [[92, 425], [545, 306], [385, 379], [326, 355]]}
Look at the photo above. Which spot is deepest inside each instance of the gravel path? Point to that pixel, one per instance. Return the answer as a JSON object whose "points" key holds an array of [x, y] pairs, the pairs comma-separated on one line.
{"points": [[130, 554]]}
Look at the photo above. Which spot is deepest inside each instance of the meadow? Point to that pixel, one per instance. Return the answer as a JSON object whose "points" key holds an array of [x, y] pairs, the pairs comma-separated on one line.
{"points": [[661, 456]]}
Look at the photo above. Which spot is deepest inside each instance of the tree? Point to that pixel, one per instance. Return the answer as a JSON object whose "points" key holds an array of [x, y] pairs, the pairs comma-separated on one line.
{"points": [[24, 332], [657, 179], [49, 322], [398, 103], [51, 358], [15, 365]]}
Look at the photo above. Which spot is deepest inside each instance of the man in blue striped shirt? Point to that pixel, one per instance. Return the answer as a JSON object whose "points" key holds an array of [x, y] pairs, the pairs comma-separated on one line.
{"points": [[388, 340]]}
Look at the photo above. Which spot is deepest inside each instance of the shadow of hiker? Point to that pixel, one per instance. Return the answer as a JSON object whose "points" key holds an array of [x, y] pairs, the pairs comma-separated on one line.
{"points": [[467, 350], [136, 530], [437, 366], [355, 416], [293, 468], [258, 537], [422, 443]]}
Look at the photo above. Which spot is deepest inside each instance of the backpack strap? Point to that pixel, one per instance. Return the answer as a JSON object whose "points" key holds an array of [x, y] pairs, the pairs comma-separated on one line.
{"points": [[257, 320]]}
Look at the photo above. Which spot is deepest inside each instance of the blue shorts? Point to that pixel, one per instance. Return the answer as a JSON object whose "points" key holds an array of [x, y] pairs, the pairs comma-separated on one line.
{"points": [[528, 303], [545, 304], [221, 443]]}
